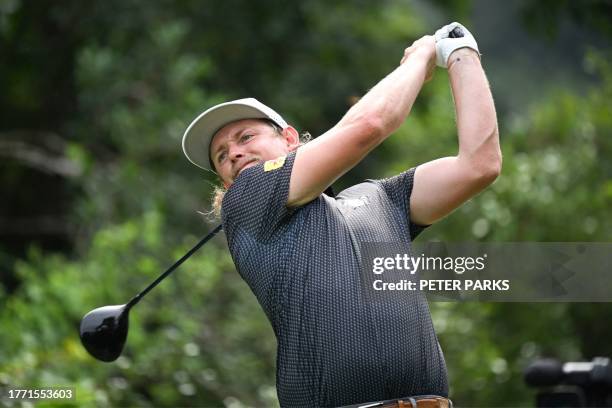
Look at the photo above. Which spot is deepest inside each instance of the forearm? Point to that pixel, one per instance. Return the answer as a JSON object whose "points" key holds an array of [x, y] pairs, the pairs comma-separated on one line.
{"points": [[476, 117], [383, 109], [388, 103], [442, 185]]}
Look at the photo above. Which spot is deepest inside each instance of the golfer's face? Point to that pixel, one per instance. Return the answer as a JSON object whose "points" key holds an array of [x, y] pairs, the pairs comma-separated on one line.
{"points": [[242, 144]]}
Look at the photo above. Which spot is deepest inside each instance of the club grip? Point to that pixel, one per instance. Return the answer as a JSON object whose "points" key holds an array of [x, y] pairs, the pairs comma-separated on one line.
{"points": [[456, 33]]}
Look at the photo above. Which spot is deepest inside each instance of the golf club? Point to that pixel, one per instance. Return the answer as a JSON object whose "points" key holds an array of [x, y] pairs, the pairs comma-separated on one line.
{"points": [[103, 331]]}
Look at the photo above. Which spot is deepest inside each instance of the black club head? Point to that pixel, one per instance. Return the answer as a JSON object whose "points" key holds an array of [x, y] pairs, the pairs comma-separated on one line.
{"points": [[103, 331]]}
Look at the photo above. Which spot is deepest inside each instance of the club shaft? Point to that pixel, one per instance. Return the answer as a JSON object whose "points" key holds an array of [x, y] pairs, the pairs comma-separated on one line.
{"points": [[161, 277]]}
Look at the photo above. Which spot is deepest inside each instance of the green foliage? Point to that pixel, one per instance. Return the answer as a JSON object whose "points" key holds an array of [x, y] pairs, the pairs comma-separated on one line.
{"points": [[190, 340]]}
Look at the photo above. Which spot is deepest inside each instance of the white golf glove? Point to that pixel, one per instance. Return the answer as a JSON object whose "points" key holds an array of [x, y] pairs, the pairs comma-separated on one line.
{"points": [[450, 38]]}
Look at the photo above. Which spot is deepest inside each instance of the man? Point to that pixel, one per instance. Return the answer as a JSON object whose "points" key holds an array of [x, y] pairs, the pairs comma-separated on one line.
{"points": [[299, 248]]}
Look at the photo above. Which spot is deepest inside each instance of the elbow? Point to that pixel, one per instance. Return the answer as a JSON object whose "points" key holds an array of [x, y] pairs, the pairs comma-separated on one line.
{"points": [[489, 168], [498, 163], [382, 125], [369, 130], [370, 126], [495, 167], [486, 163], [491, 171], [484, 173], [375, 126]]}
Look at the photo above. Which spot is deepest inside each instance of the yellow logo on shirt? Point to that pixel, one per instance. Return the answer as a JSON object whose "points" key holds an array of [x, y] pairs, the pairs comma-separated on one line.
{"points": [[274, 164]]}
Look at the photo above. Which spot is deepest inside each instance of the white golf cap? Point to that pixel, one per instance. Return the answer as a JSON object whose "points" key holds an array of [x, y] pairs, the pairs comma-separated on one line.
{"points": [[199, 134]]}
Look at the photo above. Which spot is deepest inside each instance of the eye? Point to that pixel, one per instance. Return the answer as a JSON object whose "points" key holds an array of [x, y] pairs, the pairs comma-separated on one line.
{"points": [[221, 157], [245, 137]]}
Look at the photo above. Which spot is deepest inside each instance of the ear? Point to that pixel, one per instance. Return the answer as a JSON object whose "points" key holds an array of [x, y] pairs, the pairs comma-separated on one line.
{"points": [[292, 137]]}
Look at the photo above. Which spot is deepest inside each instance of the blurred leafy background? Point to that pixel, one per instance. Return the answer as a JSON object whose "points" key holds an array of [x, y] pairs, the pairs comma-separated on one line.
{"points": [[97, 199]]}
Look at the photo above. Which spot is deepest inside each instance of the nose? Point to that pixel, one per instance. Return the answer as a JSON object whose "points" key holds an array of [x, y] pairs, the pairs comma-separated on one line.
{"points": [[235, 152]]}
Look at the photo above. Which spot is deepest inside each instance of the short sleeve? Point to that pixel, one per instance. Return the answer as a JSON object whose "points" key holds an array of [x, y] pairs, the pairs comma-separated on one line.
{"points": [[398, 189], [256, 202]]}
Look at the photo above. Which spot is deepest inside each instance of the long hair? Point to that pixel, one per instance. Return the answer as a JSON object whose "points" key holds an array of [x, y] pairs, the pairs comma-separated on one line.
{"points": [[219, 191]]}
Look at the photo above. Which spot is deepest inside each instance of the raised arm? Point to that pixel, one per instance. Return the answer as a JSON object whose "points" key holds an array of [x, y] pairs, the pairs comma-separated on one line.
{"points": [[380, 112], [442, 185]]}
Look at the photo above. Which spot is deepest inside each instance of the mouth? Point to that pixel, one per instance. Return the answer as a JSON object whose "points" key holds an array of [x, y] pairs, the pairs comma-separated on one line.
{"points": [[247, 164]]}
